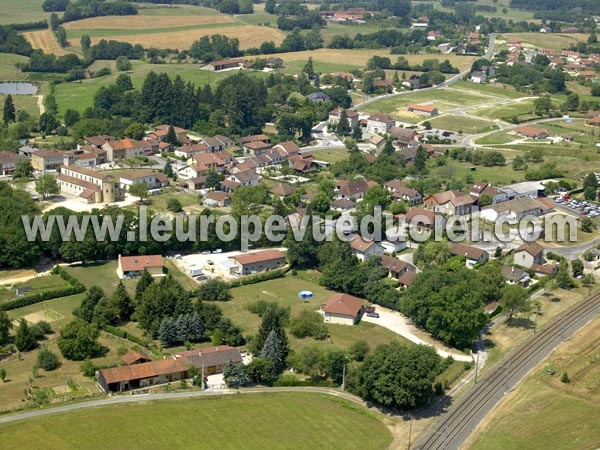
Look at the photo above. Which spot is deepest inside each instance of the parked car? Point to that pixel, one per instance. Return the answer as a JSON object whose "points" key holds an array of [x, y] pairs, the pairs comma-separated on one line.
{"points": [[370, 309], [374, 315]]}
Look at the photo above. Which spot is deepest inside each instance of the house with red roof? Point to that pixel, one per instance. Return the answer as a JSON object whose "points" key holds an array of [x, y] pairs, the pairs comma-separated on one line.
{"points": [[134, 266], [343, 309]]}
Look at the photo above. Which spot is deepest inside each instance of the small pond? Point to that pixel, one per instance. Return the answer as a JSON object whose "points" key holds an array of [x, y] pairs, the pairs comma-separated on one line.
{"points": [[18, 88]]}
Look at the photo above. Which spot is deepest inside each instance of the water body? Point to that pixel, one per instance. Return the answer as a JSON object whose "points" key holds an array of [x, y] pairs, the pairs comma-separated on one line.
{"points": [[18, 88]]}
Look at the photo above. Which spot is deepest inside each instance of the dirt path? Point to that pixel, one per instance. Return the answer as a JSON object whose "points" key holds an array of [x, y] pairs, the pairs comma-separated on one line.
{"points": [[40, 102]]}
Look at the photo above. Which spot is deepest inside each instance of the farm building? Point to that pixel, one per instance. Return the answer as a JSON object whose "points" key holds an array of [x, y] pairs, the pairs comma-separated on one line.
{"points": [[255, 262], [422, 109], [533, 132], [343, 309], [224, 64], [141, 373], [135, 265]]}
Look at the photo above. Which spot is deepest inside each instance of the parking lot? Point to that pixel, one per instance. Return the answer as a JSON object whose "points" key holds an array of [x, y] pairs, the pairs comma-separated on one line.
{"points": [[578, 207]]}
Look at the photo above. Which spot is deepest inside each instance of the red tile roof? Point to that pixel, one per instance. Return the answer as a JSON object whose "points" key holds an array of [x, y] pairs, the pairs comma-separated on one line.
{"points": [[259, 256], [344, 304], [139, 263]]}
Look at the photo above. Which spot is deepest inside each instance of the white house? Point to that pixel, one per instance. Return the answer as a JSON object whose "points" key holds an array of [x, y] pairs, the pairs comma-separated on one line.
{"points": [[343, 309]]}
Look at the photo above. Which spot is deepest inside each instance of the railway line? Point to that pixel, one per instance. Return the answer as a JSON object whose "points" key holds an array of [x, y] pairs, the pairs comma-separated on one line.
{"points": [[455, 426]]}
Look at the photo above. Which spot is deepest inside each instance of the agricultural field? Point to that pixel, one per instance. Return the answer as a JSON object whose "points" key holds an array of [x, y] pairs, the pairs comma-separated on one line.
{"points": [[28, 103], [45, 40], [467, 125], [501, 6], [8, 70], [553, 41], [544, 410], [22, 11], [303, 421], [173, 27]]}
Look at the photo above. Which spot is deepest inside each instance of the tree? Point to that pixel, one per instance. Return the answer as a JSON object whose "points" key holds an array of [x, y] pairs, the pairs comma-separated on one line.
{"points": [[24, 339], [168, 332], [308, 324], [273, 351], [485, 200], [122, 302], [590, 186], [357, 133], [359, 350], [123, 64], [9, 112], [343, 126], [48, 123], [397, 376], [139, 190], [72, 116], [420, 162], [214, 290], [308, 68], [3, 374], [46, 185], [235, 375], [142, 284], [86, 42], [47, 360], [135, 131], [260, 370], [518, 163], [563, 280], [213, 180], [174, 205], [171, 136], [577, 267], [78, 340], [5, 326], [61, 36], [270, 6], [565, 378], [587, 224], [23, 170], [89, 302], [514, 300]]}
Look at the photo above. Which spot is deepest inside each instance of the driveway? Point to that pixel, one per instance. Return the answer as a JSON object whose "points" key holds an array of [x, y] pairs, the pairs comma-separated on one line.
{"points": [[399, 324]]}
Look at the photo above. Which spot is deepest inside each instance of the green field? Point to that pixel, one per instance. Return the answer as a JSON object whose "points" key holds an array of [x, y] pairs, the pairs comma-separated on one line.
{"points": [[27, 103], [498, 176], [457, 123], [554, 41], [8, 71], [331, 155], [22, 11], [297, 421], [497, 138], [38, 285], [492, 89], [504, 112], [543, 412], [79, 95], [100, 274]]}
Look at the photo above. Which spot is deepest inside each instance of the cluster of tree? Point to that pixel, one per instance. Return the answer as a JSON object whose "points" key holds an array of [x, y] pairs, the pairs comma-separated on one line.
{"points": [[13, 42], [215, 46], [231, 6], [48, 62], [83, 9], [101, 310], [78, 340], [308, 324], [307, 21], [185, 328], [590, 186], [449, 303], [271, 342], [397, 376], [55, 5], [537, 77], [544, 171], [113, 50], [428, 65], [26, 336], [590, 7]]}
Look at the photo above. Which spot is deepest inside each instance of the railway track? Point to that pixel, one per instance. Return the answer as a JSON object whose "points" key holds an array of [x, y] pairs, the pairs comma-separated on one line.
{"points": [[459, 422]]}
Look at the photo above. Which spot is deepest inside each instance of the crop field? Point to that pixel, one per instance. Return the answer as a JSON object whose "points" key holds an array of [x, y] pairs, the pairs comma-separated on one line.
{"points": [[543, 411], [45, 40], [456, 123], [144, 22], [303, 421], [545, 40]]}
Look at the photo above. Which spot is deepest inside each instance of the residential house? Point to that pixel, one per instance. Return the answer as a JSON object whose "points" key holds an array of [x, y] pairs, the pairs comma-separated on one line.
{"points": [[420, 219], [258, 261], [287, 148], [143, 373], [529, 254], [515, 275], [160, 133], [99, 140], [473, 255], [396, 267], [515, 209], [8, 162], [134, 266], [154, 180], [225, 64], [212, 161], [378, 142], [406, 279], [352, 189], [317, 97], [134, 357], [89, 185], [126, 148], [43, 160], [282, 190], [217, 199], [189, 150], [380, 123], [218, 143], [480, 188], [256, 147], [404, 137], [334, 117], [548, 269], [364, 249], [245, 178], [532, 132], [391, 246], [342, 204], [450, 203], [422, 109], [254, 138], [274, 63], [195, 184], [343, 309], [478, 77], [400, 192]]}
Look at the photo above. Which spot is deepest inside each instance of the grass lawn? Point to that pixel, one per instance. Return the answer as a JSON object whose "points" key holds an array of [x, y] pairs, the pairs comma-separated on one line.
{"points": [[39, 285], [543, 411], [331, 155], [231, 422], [492, 89], [8, 71], [497, 138], [27, 103], [504, 112], [159, 202], [456, 123], [498, 176], [285, 292], [100, 274]]}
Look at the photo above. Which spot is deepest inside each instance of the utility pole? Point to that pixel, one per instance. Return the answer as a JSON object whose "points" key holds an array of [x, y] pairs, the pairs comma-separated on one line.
{"points": [[477, 367], [537, 311], [344, 377], [202, 376], [564, 330], [410, 432], [65, 388]]}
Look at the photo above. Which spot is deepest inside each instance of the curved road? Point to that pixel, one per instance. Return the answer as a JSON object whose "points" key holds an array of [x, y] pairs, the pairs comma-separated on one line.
{"points": [[455, 426]]}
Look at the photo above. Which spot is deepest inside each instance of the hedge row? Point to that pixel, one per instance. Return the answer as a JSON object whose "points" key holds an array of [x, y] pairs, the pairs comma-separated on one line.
{"points": [[269, 275], [292, 381], [75, 287], [119, 332]]}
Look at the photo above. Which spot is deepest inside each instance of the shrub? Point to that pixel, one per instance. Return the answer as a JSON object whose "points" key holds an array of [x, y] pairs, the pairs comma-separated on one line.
{"points": [[47, 360], [565, 378]]}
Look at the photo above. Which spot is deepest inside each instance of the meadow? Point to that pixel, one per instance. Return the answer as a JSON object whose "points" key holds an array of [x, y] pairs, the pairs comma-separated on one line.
{"points": [[544, 411], [555, 41], [458, 123], [22, 11], [298, 420]]}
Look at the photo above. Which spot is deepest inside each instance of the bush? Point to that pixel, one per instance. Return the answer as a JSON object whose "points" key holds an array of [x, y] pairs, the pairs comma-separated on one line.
{"points": [[269, 275], [47, 360], [174, 205], [565, 378], [40, 329]]}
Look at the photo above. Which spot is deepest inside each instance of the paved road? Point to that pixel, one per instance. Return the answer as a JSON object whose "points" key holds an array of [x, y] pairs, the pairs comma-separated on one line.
{"points": [[455, 426], [119, 399], [399, 324]]}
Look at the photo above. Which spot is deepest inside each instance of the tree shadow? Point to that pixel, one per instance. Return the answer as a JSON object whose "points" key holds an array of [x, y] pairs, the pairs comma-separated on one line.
{"points": [[520, 322]]}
